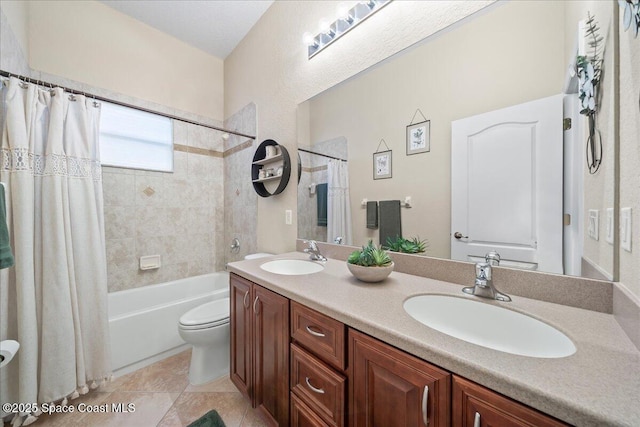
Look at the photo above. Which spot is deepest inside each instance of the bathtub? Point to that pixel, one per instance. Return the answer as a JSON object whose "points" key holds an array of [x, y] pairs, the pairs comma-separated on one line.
{"points": [[143, 322]]}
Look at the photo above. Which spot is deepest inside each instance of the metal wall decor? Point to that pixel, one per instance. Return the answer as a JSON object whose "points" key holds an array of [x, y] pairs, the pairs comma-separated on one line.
{"points": [[589, 71], [418, 135], [382, 162]]}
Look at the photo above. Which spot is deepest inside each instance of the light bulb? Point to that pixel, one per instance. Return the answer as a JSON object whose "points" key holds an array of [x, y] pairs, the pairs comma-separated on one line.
{"points": [[307, 39], [325, 27], [343, 12]]}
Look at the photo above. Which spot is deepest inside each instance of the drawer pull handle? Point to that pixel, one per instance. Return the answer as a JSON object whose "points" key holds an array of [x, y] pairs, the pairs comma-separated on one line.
{"points": [[476, 420], [425, 408], [255, 309], [244, 300], [317, 390], [314, 333]]}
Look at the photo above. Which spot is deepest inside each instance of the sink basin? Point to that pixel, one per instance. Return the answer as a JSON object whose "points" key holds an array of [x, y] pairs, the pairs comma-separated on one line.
{"points": [[489, 326], [292, 267]]}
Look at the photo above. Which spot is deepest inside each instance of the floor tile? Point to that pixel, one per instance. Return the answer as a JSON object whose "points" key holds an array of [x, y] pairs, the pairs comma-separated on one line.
{"points": [[169, 376], [253, 419], [74, 418], [223, 384], [147, 409]]}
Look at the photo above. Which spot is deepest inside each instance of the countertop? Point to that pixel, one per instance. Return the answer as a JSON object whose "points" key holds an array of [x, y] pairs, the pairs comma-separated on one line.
{"points": [[598, 385]]}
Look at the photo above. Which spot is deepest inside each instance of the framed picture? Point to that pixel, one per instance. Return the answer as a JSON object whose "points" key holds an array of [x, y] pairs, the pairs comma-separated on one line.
{"points": [[418, 138], [382, 165]]}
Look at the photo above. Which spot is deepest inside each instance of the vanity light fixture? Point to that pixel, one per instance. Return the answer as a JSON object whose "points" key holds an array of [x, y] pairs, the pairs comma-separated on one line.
{"points": [[347, 19]]}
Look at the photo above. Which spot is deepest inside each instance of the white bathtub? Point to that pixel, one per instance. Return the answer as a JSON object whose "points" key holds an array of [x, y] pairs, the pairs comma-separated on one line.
{"points": [[143, 322]]}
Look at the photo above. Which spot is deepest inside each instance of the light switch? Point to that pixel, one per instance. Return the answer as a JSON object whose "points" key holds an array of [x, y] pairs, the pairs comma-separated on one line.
{"points": [[594, 220], [625, 229], [288, 217], [610, 230]]}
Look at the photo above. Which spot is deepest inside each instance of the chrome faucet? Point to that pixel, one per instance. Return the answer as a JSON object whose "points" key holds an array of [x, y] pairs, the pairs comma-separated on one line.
{"points": [[484, 284], [314, 251], [338, 240]]}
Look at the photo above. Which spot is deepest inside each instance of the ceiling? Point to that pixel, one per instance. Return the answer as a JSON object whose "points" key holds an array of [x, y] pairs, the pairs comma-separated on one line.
{"points": [[214, 26]]}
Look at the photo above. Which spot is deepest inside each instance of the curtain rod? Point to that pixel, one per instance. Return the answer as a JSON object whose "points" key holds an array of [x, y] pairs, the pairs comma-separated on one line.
{"points": [[123, 104], [320, 154]]}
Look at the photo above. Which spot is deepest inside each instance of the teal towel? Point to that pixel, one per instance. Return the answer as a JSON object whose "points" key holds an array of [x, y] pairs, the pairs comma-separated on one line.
{"points": [[6, 257], [210, 419], [321, 196]]}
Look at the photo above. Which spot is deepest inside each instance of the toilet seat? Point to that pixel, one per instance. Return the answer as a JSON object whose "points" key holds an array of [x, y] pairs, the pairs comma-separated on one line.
{"points": [[209, 315]]}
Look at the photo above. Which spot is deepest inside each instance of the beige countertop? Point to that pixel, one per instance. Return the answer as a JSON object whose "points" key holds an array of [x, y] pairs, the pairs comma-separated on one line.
{"points": [[598, 385]]}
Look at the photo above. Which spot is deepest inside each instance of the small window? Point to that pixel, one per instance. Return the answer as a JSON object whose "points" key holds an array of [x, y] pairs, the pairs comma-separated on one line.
{"points": [[135, 139]]}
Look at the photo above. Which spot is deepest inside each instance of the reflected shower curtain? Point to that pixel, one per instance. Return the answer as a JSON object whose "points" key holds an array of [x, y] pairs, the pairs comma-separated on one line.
{"points": [[338, 207], [54, 300]]}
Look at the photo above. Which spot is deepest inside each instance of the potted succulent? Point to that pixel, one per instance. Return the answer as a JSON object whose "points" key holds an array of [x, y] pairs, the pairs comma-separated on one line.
{"points": [[370, 264], [407, 246]]}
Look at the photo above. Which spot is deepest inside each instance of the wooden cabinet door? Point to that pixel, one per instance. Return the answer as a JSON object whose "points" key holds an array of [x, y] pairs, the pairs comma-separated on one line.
{"points": [[241, 341], [388, 387], [271, 355], [476, 406]]}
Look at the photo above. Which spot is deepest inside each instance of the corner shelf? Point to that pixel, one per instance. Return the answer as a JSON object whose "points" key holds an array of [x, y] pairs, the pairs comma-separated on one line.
{"points": [[260, 159]]}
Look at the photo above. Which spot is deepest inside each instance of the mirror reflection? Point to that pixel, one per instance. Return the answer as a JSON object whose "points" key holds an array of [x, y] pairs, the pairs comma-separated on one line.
{"points": [[478, 159]]}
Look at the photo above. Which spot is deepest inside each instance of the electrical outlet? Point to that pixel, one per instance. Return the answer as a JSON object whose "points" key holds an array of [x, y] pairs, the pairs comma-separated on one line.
{"points": [[288, 217], [594, 222], [610, 230], [625, 229]]}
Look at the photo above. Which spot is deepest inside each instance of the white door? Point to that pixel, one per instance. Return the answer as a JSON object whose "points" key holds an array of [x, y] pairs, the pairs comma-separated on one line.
{"points": [[506, 186]]}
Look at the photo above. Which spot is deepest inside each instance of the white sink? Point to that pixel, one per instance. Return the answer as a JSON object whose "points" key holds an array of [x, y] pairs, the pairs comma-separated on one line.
{"points": [[292, 267], [489, 326]]}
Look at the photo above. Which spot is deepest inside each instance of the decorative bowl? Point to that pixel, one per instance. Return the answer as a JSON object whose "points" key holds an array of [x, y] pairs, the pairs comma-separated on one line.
{"points": [[370, 274]]}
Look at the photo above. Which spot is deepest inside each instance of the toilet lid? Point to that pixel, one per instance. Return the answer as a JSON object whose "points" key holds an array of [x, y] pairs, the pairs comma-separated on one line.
{"points": [[211, 312]]}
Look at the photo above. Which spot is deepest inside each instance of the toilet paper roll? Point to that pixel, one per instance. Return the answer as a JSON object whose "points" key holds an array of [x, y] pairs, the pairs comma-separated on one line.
{"points": [[8, 349]]}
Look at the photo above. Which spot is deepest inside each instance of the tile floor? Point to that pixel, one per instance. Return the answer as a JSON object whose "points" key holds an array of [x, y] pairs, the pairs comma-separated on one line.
{"points": [[162, 397]]}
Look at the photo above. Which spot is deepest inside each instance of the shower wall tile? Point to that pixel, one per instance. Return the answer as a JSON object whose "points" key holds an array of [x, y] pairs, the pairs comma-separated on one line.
{"points": [[179, 216]]}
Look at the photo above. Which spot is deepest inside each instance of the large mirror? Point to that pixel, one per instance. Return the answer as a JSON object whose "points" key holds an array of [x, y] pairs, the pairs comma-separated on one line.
{"points": [[472, 78]]}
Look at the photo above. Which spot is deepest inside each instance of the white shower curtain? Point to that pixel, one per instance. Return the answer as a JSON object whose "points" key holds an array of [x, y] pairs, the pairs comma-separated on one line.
{"points": [[54, 300], [338, 208]]}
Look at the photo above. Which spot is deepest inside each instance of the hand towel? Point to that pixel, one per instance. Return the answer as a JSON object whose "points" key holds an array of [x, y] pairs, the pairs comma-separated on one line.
{"points": [[390, 222], [372, 215], [321, 198], [6, 256]]}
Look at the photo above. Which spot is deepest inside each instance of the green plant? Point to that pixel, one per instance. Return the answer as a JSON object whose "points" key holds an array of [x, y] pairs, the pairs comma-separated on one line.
{"points": [[370, 256], [400, 244]]}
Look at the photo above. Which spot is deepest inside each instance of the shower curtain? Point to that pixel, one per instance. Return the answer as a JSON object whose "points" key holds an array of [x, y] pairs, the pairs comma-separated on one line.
{"points": [[54, 300], [338, 208]]}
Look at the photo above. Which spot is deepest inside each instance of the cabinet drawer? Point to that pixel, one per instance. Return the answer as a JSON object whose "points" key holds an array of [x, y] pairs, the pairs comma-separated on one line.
{"points": [[303, 416], [318, 386], [322, 335], [475, 405]]}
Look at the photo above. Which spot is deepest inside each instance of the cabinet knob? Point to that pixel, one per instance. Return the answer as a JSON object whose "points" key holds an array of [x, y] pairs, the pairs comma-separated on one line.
{"points": [[425, 406], [255, 307], [244, 300], [314, 389], [476, 420], [314, 333]]}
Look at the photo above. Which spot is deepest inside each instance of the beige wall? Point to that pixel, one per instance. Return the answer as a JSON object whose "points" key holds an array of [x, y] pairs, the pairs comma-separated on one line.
{"points": [[474, 68], [630, 153], [270, 67], [17, 13], [89, 42]]}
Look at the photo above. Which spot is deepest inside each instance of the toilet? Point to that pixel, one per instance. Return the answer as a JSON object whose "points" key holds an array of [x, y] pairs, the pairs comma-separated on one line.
{"points": [[206, 328]]}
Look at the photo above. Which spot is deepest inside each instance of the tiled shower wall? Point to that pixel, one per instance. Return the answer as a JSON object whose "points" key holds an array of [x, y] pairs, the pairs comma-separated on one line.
{"points": [[178, 215], [240, 200]]}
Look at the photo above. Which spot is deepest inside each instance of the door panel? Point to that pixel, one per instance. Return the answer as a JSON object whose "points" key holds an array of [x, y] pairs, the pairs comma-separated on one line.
{"points": [[241, 343], [506, 178]]}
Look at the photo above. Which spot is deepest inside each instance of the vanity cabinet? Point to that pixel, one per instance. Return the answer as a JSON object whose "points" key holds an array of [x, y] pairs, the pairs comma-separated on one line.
{"points": [[388, 387], [259, 320], [477, 406], [318, 381]]}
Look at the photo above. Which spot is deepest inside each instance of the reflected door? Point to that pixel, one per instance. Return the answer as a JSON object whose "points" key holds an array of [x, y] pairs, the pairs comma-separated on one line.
{"points": [[506, 178]]}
